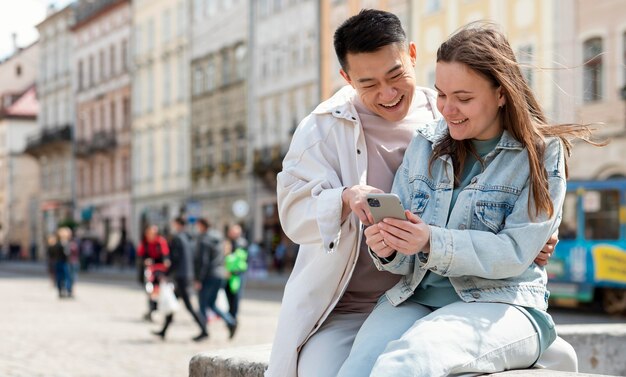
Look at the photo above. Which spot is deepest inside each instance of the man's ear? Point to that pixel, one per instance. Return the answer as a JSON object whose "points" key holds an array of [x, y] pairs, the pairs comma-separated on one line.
{"points": [[345, 76]]}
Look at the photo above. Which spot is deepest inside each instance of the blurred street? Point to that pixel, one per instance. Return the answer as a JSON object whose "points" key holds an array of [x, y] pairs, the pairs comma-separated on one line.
{"points": [[101, 333]]}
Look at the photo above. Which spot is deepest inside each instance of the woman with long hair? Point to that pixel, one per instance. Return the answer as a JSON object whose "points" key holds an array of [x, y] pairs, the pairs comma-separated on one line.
{"points": [[483, 190]]}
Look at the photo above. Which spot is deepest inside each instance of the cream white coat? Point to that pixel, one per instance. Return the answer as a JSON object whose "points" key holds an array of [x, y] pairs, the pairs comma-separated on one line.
{"points": [[327, 153]]}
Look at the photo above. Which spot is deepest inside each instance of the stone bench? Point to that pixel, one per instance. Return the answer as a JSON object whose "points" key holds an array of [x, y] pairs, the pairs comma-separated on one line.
{"points": [[600, 348]]}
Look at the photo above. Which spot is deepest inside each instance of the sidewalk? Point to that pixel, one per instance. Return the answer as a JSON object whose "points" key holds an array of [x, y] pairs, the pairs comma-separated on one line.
{"points": [[255, 279]]}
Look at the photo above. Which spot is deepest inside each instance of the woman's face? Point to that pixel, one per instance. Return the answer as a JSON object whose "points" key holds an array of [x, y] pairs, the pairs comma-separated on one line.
{"points": [[468, 102], [151, 233]]}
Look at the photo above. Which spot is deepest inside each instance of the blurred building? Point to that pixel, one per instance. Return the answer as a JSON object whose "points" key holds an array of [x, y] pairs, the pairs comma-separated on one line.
{"points": [[52, 144], [219, 110], [598, 47], [19, 172], [101, 60], [160, 96]]}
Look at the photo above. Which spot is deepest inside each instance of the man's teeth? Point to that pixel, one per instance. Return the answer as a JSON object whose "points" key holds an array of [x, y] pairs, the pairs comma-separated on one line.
{"points": [[392, 104], [458, 121]]}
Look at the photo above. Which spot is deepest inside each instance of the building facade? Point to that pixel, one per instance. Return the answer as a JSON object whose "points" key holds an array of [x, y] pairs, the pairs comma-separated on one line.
{"points": [[161, 138], [284, 88], [19, 184], [101, 60], [19, 176], [219, 111], [52, 145], [599, 86]]}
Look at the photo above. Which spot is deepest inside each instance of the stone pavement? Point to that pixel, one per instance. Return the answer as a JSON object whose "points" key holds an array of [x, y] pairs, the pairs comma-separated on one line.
{"points": [[100, 332]]}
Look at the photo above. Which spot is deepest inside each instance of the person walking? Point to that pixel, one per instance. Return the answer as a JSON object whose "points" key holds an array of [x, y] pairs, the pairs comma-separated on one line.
{"points": [[181, 272], [236, 262], [210, 274], [153, 252]]}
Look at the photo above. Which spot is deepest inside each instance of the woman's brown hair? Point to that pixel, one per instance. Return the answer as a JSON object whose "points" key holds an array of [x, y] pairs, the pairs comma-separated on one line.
{"points": [[484, 49]]}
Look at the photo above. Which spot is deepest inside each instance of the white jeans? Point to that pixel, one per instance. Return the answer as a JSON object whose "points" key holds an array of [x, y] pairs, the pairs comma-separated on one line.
{"points": [[460, 339], [327, 350]]}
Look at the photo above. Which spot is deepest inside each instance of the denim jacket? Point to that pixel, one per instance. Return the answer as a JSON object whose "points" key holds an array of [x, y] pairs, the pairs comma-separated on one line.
{"points": [[488, 244]]}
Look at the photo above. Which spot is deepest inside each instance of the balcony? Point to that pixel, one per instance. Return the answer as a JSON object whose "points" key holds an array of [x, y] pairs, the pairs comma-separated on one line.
{"points": [[48, 139], [101, 142], [268, 162]]}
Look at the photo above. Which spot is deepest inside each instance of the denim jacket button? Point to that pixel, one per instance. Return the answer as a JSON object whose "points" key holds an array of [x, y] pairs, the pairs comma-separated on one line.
{"points": [[475, 294], [462, 226]]}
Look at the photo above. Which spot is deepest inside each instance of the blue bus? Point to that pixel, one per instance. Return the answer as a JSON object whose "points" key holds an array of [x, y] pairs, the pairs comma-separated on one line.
{"points": [[589, 263]]}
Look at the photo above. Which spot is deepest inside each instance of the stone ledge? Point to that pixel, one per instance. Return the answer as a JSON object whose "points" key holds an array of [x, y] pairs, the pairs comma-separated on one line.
{"points": [[600, 349]]}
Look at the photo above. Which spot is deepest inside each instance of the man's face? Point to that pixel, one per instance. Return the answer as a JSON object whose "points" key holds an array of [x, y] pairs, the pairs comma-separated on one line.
{"points": [[384, 80]]}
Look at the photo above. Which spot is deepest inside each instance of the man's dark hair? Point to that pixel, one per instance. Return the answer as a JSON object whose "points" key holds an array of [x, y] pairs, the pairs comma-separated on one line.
{"points": [[367, 31], [204, 222], [180, 221]]}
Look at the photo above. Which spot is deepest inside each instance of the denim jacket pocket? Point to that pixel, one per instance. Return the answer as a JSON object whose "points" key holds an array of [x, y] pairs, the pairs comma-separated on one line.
{"points": [[490, 216], [419, 202]]}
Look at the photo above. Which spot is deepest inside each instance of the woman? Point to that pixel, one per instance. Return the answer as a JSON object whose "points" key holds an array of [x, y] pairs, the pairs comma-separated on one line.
{"points": [[153, 252], [471, 300]]}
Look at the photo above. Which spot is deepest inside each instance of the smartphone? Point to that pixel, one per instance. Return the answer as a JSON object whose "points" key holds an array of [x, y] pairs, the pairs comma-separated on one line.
{"points": [[385, 205]]}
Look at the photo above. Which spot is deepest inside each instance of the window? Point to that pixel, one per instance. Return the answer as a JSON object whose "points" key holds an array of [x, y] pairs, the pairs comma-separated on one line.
{"points": [[568, 228], [166, 155], [125, 55], [137, 40], [525, 59], [126, 114], [137, 86], [137, 157], [210, 76], [241, 66], [167, 82], [151, 31], [226, 67], [91, 71], [180, 19], [102, 64], [149, 147], [180, 95], [113, 116], [166, 19], [112, 67], [150, 80], [601, 210], [80, 75], [198, 79], [183, 145], [592, 70]]}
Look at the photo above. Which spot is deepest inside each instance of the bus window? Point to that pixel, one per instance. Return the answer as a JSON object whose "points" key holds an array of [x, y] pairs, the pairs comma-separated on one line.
{"points": [[567, 229], [601, 214]]}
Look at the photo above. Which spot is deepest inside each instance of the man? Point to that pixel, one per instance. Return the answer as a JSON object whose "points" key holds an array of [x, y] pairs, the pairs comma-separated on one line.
{"points": [[181, 271], [210, 273], [236, 265], [350, 145]]}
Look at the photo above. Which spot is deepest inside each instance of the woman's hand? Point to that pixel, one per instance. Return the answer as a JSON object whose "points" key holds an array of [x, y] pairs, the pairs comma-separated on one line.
{"points": [[374, 239], [406, 236], [548, 249], [354, 199]]}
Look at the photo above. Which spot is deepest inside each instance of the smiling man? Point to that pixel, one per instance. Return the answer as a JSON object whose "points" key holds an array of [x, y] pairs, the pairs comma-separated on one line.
{"points": [[349, 146]]}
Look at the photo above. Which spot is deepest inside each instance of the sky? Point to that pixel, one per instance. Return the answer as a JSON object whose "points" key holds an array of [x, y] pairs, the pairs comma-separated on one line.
{"points": [[21, 16]]}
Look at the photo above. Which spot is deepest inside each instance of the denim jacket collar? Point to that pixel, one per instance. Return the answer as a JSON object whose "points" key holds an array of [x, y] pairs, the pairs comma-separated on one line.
{"points": [[436, 131]]}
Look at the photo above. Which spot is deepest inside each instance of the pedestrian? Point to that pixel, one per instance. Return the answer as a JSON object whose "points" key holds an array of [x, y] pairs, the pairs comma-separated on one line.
{"points": [[350, 145], [496, 169], [51, 242], [181, 272], [236, 251], [61, 253], [210, 274], [153, 252]]}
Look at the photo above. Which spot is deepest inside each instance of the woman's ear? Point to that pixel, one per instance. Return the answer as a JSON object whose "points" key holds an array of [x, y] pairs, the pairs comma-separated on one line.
{"points": [[501, 96]]}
